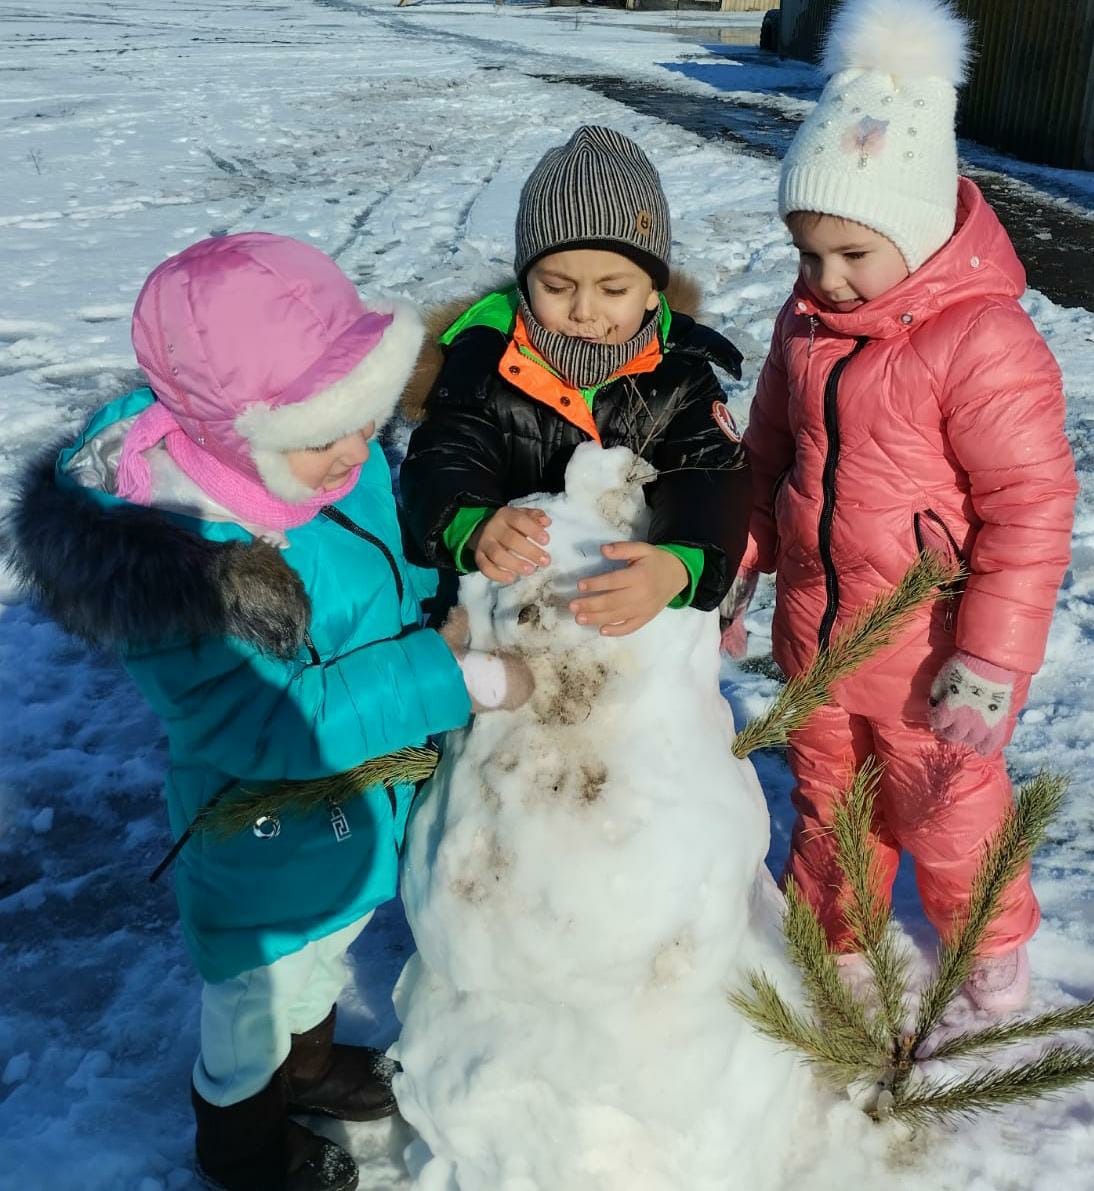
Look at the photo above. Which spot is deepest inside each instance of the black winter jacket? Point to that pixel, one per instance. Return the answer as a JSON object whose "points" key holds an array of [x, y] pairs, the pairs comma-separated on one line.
{"points": [[485, 442]]}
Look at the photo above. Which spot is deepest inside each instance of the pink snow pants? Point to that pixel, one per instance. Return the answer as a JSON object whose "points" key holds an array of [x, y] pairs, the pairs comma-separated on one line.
{"points": [[939, 801]]}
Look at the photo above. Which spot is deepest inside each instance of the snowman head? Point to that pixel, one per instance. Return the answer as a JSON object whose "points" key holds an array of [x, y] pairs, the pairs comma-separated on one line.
{"points": [[603, 502]]}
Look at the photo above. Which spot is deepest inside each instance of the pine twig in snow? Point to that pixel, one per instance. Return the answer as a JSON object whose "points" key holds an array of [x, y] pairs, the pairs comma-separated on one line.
{"points": [[408, 765], [1005, 856], [845, 1041], [1056, 1069], [875, 627]]}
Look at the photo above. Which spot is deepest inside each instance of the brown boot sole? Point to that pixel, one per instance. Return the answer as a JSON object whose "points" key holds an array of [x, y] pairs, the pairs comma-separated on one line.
{"points": [[388, 1109]]}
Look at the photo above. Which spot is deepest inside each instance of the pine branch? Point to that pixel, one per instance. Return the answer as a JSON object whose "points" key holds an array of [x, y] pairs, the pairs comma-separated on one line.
{"points": [[1075, 1017], [1005, 856], [833, 1003], [875, 627], [839, 1061], [867, 912], [1057, 1068], [409, 765]]}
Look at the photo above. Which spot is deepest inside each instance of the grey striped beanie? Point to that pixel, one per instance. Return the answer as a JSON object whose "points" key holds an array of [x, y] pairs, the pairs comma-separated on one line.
{"points": [[599, 190]]}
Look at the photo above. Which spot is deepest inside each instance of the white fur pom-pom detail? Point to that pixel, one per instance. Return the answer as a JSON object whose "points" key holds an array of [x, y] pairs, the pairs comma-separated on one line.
{"points": [[907, 39]]}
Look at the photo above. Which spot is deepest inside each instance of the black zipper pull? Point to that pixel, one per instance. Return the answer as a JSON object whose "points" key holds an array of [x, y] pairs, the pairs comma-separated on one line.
{"points": [[315, 658]]}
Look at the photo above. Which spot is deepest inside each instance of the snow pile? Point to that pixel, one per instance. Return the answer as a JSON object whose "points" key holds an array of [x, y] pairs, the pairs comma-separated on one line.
{"points": [[584, 882]]}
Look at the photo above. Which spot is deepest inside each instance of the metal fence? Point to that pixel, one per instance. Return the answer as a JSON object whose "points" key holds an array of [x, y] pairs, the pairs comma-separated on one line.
{"points": [[1032, 89], [802, 25]]}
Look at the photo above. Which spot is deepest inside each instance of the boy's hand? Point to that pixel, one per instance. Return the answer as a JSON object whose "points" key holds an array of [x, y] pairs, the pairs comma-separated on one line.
{"points": [[624, 600], [505, 544]]}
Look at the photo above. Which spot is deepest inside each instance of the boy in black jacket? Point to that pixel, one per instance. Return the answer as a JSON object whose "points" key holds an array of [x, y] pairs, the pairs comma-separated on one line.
{"points": [[584, 346]]}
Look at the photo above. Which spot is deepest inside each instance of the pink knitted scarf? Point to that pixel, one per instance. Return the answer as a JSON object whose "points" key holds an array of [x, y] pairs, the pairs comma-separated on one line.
{"points": [[245, 498]]}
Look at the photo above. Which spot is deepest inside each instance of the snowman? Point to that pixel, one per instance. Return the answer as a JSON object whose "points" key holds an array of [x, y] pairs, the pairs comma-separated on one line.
{"points": [[585, 882]]}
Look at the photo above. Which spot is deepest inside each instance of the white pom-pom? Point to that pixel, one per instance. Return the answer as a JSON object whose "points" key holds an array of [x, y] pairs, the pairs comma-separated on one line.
{"points": [[904, 38]]}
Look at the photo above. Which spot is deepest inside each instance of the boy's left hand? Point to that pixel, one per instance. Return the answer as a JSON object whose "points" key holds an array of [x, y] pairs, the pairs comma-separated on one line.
{"points": [[622, 601]]}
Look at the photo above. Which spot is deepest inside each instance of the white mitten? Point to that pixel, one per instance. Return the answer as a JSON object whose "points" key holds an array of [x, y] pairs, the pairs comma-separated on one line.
{"points": [[970, 703], [495, 681]]}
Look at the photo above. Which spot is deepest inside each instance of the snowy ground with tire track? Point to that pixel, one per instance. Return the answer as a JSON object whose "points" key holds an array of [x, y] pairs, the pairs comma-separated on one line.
{"points": [[395, 139]]}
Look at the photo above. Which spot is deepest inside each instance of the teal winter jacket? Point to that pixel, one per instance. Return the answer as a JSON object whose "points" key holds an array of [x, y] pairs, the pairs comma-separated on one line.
{"points": [[205, 619]]}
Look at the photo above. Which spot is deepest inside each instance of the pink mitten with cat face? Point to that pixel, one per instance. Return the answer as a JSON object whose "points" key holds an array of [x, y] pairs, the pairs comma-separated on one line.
{"points": [[971, 702]]}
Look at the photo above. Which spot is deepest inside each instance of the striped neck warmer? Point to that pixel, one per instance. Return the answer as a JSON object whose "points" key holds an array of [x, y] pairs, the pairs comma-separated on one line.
{"points": [[581, 364]]}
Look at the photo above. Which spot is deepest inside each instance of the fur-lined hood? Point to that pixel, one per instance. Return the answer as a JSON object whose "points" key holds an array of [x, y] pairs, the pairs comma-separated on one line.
{"points": [[683, 295], [119, 576]]}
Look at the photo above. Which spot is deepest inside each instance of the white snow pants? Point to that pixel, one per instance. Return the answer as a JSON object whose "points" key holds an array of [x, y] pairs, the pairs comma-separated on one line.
{"points": [[247, 1022]]}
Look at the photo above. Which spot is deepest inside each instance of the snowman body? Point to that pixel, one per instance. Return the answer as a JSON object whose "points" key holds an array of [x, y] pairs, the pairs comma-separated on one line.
{"points": [[585, 883]]}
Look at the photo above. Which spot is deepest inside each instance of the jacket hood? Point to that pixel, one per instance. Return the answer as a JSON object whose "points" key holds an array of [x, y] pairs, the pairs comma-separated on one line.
{"points": [[682, 294], [202, 333], [119, 576], [978, 261]]}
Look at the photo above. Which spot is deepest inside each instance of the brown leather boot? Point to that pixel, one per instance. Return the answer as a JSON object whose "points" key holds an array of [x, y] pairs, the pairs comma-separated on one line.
{"points": [[352, 1083], [253, 1146]]}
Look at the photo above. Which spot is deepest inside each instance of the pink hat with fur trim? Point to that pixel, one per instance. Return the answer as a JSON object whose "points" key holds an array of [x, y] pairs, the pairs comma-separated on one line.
{"points": [[259, 344]]}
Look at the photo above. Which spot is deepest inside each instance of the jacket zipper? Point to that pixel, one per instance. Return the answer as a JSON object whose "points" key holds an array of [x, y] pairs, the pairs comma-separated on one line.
{"points": [[828, 485], [953, 590], [315, 658], [339, 518]]}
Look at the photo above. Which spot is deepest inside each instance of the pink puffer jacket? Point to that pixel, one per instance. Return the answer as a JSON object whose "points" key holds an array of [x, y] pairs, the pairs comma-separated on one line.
{"points": [[932, 416]]}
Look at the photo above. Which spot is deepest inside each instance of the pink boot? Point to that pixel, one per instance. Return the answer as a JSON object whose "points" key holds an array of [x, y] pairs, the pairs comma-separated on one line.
{"points": [[855, 972], [1000, 983]]}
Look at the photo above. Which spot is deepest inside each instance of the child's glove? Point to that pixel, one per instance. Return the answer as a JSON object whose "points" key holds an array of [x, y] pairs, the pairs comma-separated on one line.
{"points": [[732, 614], [495, 681], [970, 703]]}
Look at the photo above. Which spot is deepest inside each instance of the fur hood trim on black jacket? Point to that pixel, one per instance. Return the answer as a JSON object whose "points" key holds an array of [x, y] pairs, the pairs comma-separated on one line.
{"points": [[126, 577], [682, 294]]}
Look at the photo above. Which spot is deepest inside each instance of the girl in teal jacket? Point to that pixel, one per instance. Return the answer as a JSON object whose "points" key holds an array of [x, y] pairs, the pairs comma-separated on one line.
{"points": [[232, 533]]}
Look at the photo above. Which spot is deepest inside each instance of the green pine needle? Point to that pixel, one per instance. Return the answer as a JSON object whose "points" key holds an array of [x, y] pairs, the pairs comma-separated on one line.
{"points": [[1053, 1071], [845, 1042], [828, 997], [838, 1059], [237, 813], [875, 627], [867, 911], [1055, 1021], [1008, 852]]}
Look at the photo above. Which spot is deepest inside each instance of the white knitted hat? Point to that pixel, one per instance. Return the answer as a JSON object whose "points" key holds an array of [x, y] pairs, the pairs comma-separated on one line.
{"points": [[879, 148]]}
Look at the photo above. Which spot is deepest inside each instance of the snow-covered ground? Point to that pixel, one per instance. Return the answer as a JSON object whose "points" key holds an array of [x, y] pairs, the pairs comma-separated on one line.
{"points": [[395, 139]]}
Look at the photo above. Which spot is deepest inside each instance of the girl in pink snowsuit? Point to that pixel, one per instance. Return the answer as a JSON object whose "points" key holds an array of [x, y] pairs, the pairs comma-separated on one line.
{"points": [[908, 403]]}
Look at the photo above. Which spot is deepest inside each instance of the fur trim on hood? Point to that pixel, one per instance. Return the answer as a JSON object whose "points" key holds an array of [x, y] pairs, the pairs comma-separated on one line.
{"points": [[682, 293], [125, 577], [368, 393]]}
